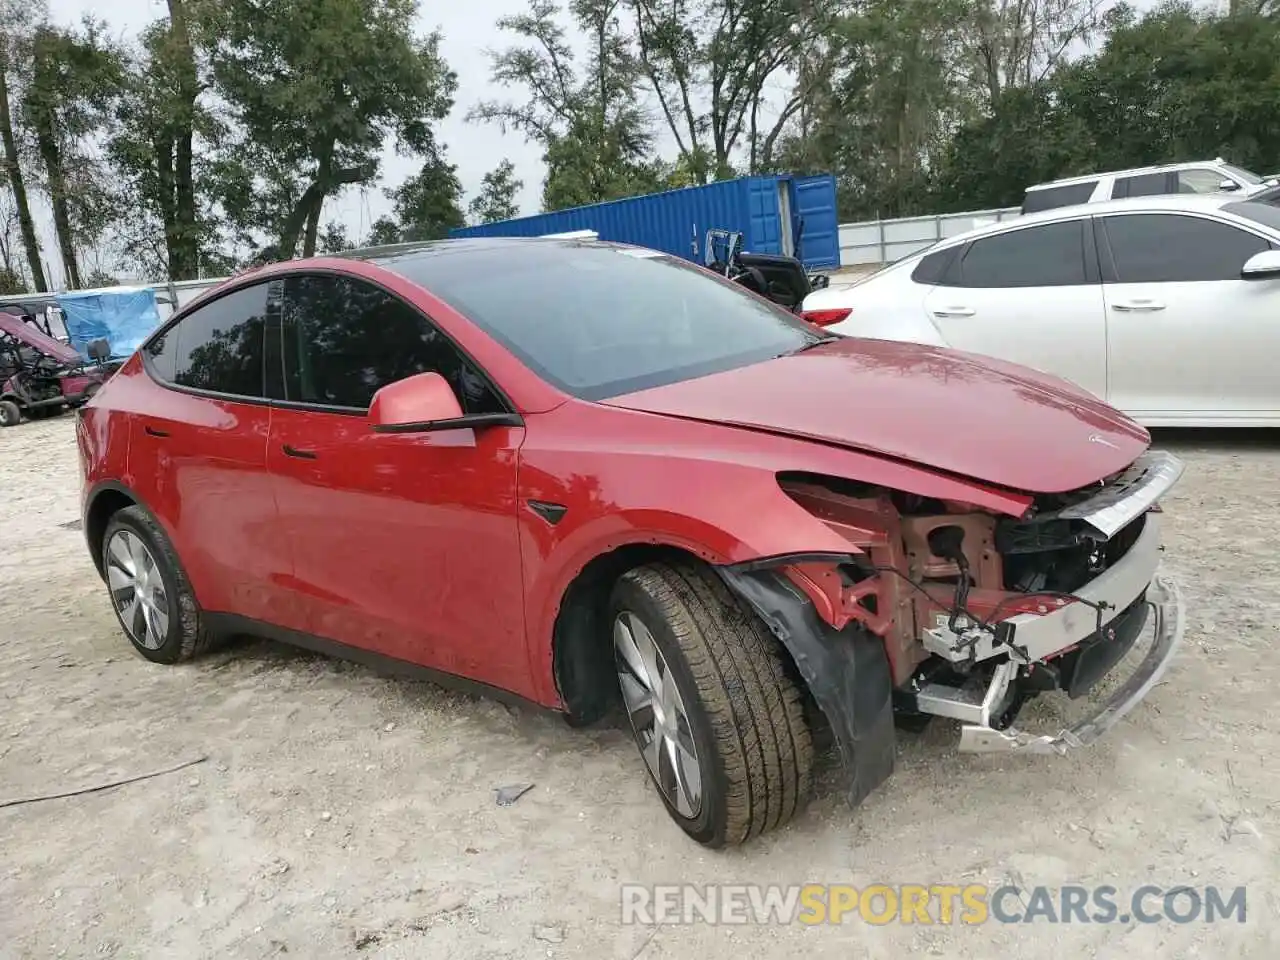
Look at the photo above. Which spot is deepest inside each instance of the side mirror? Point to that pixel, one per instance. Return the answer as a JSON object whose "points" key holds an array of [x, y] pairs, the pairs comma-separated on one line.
{"points": [[1228, 186], [99, 350], [1262, 266], [419, 403], [425, 402]]}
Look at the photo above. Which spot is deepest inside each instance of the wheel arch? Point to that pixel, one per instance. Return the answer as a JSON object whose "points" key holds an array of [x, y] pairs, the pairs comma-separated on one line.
{"points": [[581, 657], [104, 501]]}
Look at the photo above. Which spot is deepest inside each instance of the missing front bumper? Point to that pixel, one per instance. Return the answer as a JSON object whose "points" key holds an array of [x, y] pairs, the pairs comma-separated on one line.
{"points": [[1168, 622]]}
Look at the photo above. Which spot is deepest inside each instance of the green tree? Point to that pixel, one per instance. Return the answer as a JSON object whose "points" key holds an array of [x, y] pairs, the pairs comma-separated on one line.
{"points": [[18, 19], [333, 238], [595, 137], [710, 65], [497, 197], [316, 87], [12, 282], [75, 79], [428, 204], [160, 120], [385, 231]]}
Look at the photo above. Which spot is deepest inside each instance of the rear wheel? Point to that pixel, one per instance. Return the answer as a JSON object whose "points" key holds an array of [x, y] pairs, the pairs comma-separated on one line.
{"points": [[150, 593], [10, 414], [713, 707]]}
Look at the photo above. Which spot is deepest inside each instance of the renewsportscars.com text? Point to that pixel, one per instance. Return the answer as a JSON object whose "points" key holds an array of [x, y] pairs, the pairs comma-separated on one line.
{"points": [[971, 904]]}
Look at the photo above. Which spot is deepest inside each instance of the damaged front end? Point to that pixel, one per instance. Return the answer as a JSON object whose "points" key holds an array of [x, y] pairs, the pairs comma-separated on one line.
{"points": [[942, 609]]}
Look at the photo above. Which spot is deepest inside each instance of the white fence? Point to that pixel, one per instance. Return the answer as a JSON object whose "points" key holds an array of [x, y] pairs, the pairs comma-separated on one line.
{"points": [[886, 241]]}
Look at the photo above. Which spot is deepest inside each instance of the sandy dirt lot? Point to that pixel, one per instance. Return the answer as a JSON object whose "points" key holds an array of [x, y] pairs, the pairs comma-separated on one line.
{"points": [[342, 814]]}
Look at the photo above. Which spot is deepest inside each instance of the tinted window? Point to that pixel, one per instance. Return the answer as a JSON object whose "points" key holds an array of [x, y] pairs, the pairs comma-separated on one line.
{"points": [[1054, 197], [218, 347], [1200, 181], [1162, 248], [599, 320], [1147, 185], [1260, 209], [343, 339], [1048, 256], [932, 268]]}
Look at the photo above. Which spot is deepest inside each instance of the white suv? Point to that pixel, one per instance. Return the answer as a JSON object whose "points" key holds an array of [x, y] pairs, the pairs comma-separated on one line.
{"points": [[1208, 176]]}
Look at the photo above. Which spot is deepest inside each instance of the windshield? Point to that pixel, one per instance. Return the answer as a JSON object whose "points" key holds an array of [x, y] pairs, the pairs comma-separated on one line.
{"points": [[1262, 213], [1247, 176], [599, 320]]}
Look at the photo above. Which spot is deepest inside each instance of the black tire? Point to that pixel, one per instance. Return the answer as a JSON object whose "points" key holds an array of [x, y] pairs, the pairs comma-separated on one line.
{"points": [[186, 635], [10, 414], [745, 710]]}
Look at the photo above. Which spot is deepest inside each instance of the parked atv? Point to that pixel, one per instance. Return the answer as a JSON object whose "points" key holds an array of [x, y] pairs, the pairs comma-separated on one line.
{"points": [[41, 376], [780, 278]]}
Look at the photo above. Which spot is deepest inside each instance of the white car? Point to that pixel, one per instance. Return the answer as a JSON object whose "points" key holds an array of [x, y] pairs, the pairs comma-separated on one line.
{"points": [[1205, 176], [1166, 307]]}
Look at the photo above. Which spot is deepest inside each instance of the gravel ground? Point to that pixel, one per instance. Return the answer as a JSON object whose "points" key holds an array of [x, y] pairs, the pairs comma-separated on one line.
{"points": [[343, 814]]}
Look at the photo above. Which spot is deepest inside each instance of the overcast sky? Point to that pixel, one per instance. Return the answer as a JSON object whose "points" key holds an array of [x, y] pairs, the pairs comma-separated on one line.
{"points": [[467, 30]]}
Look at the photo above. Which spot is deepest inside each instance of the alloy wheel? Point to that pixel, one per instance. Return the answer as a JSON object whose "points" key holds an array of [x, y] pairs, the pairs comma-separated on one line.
{"points": [[657, 714], [137, 589]]}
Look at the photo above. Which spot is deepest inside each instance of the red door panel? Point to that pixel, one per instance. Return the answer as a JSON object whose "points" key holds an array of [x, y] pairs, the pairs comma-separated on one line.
{"points": [[405, 544], [200, 464]]}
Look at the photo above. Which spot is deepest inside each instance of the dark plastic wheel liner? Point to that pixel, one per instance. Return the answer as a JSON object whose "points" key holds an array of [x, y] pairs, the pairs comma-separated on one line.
{"points": [[847, 673]]}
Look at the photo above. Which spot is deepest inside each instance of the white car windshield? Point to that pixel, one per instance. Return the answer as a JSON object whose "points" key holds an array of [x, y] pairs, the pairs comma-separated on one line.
{"points": [[1247, 176]]}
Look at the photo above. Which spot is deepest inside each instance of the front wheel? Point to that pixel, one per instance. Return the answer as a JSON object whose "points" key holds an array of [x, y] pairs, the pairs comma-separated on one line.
{"points": [[713, 706], [10, 414]]}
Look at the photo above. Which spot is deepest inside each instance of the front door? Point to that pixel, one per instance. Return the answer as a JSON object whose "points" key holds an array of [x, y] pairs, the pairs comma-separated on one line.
{"points": [[1188, 339], [403, 544], [1031, 296]]}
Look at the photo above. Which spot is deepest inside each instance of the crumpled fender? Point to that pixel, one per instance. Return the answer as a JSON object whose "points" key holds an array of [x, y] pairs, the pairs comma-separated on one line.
{"points": [[846, 671]]}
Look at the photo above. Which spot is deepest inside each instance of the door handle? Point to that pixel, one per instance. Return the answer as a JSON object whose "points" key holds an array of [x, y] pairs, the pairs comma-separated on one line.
{"points": [[298, 454], [1138, 306], [153, 432], [954, 312]]}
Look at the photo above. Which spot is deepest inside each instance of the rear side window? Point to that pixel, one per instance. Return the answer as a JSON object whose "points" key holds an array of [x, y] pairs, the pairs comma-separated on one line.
{"points": [[1047, 256], [933, 267], [218, 347], [343, 339], [1167, 248], [1147, 185], [1053, 197]]}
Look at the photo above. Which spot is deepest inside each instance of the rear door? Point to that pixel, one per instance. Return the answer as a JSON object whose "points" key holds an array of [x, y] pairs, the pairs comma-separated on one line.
{"points": [[1188, 338], [1030, 295], [198, 453]]}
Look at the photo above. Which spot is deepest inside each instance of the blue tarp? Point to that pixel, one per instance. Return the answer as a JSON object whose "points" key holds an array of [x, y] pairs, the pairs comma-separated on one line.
{"points": [[121, 317]]}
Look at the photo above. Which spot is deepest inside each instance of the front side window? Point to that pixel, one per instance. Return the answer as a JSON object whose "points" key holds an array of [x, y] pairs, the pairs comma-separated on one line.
{"points": [[598, 320], [1200, 181], [1168, 248], [1147, 185], [1048, 256], [218, 347], [343, 339]]}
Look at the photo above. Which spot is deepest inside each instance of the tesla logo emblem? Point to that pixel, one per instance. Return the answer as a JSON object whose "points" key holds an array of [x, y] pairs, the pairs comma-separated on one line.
{"points": [[1094, 438]]}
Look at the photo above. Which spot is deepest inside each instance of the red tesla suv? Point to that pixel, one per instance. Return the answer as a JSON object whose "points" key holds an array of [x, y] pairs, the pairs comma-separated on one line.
{"points": [[587, 475]]}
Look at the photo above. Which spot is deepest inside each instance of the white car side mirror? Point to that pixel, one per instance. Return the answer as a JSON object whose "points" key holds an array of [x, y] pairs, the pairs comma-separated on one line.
{"points": [[1262, 266], [1228, 186]]}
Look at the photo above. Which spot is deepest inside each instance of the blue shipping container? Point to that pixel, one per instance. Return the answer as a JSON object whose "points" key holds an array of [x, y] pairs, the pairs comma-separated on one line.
{"points": [[781, 213]]}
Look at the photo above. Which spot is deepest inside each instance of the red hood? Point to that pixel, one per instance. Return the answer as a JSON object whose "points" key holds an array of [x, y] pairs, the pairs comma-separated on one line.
{"points": [[973, 416]]}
